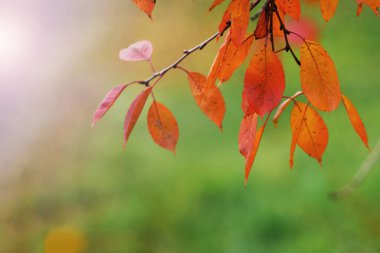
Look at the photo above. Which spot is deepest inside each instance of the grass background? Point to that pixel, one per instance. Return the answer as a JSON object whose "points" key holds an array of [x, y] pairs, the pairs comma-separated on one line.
{"points": [[144, 199]]}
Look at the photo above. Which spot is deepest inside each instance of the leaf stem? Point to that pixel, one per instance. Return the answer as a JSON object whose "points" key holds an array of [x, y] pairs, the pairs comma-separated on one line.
{"points": [[151, 66]]}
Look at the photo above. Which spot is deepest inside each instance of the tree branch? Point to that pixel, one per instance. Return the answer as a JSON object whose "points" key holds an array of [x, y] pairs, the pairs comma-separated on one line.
{"points": [[286, 33], [188, 52]]}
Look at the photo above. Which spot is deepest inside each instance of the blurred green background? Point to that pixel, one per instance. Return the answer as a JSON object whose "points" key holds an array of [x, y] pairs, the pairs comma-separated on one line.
{"points": [[56, 171]]}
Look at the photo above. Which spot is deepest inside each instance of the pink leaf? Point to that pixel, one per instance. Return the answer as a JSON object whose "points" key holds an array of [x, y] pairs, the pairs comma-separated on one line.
{"points": [[139, 51], [107, 102]]}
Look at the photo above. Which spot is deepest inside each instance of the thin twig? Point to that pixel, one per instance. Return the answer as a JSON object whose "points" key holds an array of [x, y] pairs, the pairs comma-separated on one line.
{"points": [[271, 27], [257, 15], [286, 33], [186, 53]]}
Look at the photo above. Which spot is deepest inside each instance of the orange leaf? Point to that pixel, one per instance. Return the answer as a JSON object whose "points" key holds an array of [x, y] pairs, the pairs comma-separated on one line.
{"points": [[373, 4], [247, 134], [309, 132], [328, 8], [355, 119], [290, 7], [251, 156], [232, 58], [264, 83], [209, 99], [163, 126], [107, 102], [319, 77], [261, 30], [134, 112], [214, 4], [216, 65], [229, 58], [225, 19], [238, 13], [146, 6]]}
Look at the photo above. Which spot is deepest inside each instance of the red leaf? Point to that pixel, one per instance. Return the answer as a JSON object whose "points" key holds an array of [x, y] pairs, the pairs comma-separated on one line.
{"points": [[355, 119], [107, 102], [214, 4], [373, 4], [209, 99], [319, 77], [328, 8], [163, 126], [309, 132], [264, 83], [146, 6], [238, 13], [247, 134], [251, 157], [290, 7], [261, 30], [139, 51], [134, 112]]}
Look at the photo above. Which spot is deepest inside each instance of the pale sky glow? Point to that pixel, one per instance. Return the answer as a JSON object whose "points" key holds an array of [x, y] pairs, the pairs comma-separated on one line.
{"points": [[14, 41], [40, 40]]}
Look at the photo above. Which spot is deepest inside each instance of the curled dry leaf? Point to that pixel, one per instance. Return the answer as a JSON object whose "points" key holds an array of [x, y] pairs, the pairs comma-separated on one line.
{"points": [[163, 126], [283, 105], [139, 51], [290, 7], [134, 112], [328, 8], [319, 77], [209, 99], [373, 4], [107, 102], [355, 119], [264, 83], [309, 132], [146, 6]]}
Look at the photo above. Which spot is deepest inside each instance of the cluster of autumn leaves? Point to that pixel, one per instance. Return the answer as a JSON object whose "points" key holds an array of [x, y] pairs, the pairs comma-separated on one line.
{"points": [[264, 81]]}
